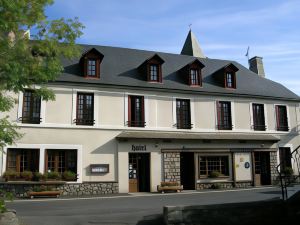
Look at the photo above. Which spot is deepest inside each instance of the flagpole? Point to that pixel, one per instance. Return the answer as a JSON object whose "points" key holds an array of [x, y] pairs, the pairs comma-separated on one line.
{"points": [[247, 55]]}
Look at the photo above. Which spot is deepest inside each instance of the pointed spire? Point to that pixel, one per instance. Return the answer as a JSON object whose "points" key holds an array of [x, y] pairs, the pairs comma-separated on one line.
{"points": [[191, 46]]}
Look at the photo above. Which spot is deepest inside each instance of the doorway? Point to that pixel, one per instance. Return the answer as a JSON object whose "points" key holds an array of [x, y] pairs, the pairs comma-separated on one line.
{"points": [[187, 170], [139, 172], [262, 168]]}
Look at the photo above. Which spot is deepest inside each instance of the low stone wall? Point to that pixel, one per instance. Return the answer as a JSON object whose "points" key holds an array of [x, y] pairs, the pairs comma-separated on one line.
{"points": [[20, 189], [223, 185]]}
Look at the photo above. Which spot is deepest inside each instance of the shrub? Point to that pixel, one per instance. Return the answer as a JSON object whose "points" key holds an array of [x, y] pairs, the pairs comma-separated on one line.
{"points": [[214, 174], [169, 183], [27, 175], [53, 175], [69, 175], [288, 171], [10, 175], [38, 176]]}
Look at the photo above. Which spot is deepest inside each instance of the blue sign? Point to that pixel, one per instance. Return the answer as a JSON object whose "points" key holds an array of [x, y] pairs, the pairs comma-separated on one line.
{"points": [[247, 165]]}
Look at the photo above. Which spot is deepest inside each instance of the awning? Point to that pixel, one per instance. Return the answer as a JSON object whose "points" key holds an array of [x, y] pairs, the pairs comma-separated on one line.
{"points": [[196, 136]]}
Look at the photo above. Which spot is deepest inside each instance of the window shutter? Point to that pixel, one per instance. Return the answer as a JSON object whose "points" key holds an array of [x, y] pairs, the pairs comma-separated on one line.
{"points": [[159, 73], [218, 114], [200, 77], [129, 111], [143, 109], [277, 117], [189, 76]]}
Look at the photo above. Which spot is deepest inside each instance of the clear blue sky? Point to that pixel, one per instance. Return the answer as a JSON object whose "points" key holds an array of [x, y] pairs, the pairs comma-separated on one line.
{"points": [[224, 28]]}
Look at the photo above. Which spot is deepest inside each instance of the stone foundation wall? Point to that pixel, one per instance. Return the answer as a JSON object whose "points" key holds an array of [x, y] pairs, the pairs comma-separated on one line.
{"points": [[20, 190], [172, 166], [223, 185]]}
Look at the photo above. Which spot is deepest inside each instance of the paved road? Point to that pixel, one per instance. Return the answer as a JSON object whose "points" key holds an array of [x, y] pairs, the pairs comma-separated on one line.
{"points": [[140, 209]]}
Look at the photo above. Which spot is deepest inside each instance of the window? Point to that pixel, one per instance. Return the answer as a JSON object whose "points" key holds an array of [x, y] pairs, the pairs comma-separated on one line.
{"points": [[20, 160], [61, 160], [229, 80], [258, 117], [85, 109], [285, 158], [31, 108], [91, 69], [183, 114], [224, 115], [136, 116], [281, 118], [154, 72], [194, 77], [208, 164]]}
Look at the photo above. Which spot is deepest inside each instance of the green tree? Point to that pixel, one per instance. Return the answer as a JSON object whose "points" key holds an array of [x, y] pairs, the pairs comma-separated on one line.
{"points": [[26, 63]]}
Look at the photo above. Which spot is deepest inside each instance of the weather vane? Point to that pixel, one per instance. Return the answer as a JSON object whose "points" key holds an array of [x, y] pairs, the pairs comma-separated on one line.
{"points": [[190, 26]]}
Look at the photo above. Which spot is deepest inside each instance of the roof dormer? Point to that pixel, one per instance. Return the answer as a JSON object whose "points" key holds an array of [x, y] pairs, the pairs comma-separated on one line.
{"points": [[226, 76], [192, 73], [90, 62], [152, 69]]}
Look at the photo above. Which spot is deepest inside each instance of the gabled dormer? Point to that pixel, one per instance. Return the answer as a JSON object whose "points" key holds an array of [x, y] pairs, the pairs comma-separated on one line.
{"points": [[152, 69], [90, 62], [192, 73], [226, 76]]}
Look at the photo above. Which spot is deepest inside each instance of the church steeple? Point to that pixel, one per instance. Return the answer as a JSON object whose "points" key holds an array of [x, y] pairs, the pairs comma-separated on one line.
{"points": [[191, 46]]}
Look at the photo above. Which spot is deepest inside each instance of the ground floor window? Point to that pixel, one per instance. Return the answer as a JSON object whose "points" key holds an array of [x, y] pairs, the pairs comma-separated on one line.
{"points": [[20, 160], [217, 165], [61, 160]]}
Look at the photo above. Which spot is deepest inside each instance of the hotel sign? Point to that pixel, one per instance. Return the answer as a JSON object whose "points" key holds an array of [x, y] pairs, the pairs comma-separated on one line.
{"points": [[138, 148]]}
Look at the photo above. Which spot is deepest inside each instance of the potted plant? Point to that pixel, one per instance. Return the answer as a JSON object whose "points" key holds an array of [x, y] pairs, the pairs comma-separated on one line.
{"points": [[37, 176], [11, 175], [69, 176], [214, 174], [288, 171], [27, 175], [53, 176]]}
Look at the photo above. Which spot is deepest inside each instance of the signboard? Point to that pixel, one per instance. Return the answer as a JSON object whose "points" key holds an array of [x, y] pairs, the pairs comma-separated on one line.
{"points": [[99, 168], [138, 148]]}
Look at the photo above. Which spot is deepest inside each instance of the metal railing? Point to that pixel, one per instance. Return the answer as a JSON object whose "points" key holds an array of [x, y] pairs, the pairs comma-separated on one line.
{"points": [[31, 120], [183, 125], [136, 123], [287, 177], [86, 122]]}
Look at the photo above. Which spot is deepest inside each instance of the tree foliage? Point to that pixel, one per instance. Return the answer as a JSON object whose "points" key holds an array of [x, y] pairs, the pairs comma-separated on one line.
{"points": [[31, 63]]}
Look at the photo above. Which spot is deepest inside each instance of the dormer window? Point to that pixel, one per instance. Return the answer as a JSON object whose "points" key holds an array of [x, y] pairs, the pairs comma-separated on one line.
{"points": [[151, 69], [91, 67], [191, 73], [194, 77], [226, 76], [90, 62], [229, 80], [154, 72]]}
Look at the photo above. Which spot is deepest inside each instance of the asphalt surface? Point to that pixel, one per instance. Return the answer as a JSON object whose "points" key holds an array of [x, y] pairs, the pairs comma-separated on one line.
{"points": [[140, 208]]}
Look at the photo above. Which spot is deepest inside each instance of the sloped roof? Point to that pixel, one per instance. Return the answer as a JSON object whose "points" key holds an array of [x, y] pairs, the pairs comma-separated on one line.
{"points": [[192, 47], [120, 68]]}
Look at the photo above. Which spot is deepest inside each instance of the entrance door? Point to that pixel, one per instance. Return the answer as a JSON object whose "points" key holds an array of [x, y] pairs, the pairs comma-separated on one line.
{"points": [[285, 158], [262, 168], [139, 172], [187, 170]]}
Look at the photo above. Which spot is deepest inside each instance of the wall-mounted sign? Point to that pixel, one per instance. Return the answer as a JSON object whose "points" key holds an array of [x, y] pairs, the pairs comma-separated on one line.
{"points": [[247, 165], [135, 148], [99, 168]]}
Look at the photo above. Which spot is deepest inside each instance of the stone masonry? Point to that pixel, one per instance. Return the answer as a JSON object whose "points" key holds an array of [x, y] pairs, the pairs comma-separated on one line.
{"points": [[172, 166], [20, 190], [273, 165]]}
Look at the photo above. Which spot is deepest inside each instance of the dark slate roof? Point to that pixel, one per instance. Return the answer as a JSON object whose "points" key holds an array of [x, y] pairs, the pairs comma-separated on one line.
{"points": [[119, 67]]}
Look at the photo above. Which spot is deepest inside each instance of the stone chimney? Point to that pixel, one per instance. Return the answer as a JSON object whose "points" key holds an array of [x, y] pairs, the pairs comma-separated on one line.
{"points": [[256, 65]]}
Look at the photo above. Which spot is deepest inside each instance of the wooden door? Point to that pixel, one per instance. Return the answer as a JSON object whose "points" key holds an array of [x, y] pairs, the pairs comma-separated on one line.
{"points": [[133, 173], [262, 168]]}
